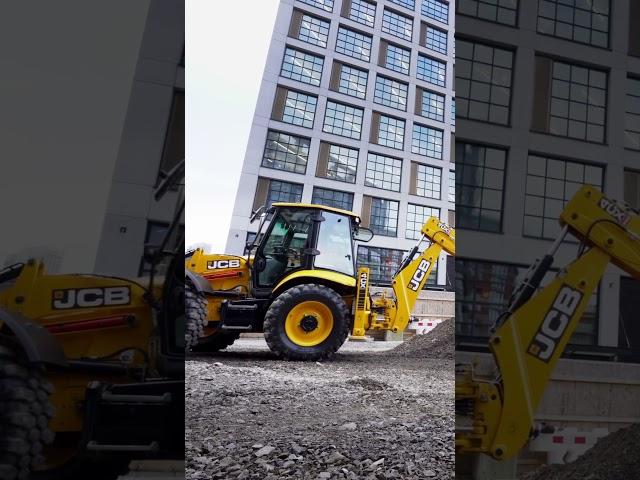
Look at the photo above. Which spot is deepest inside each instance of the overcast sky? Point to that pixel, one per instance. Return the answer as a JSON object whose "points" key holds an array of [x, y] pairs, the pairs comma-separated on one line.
{"points": [[226, 49]]}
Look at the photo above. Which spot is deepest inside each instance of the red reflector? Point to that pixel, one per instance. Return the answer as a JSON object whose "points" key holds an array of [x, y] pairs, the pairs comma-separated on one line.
{"points": [[84, 325], [581, 439], [420, 324], [429, 324], [557, 439], [222, 275]]}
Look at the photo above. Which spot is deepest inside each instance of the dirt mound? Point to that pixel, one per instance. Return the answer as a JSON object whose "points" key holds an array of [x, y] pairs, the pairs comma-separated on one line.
{"points": [[614, 457], [438, 343]]}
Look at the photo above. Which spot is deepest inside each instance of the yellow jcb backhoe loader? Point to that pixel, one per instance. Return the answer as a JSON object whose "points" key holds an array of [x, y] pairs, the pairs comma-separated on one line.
{"points": [[298, 284], [494, 415], [92, 367]]}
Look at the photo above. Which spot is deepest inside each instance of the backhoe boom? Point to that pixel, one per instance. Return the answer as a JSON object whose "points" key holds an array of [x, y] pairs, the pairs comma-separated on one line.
{"points": [[530, 338]]}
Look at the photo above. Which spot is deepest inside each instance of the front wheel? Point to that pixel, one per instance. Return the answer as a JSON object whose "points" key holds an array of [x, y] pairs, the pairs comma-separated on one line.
{"points": [[307, 322]]}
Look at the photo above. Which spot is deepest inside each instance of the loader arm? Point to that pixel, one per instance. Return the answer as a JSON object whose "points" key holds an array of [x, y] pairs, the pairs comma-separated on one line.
{"points": [[407, 282], [530, 337]]}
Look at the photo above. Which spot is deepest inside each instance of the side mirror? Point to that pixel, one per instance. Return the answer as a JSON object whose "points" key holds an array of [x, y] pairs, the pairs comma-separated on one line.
{"points": [[362, 234]]}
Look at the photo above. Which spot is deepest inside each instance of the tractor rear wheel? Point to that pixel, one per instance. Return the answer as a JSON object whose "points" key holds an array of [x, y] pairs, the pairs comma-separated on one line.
{"points": [[307, 322], [195, 312], [217, 341], [25, 412]]}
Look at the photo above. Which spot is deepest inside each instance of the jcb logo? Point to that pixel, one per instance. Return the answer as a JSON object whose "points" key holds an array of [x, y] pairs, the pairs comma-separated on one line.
{"points": [[217, 264], [613, 209], [555, 323], [418, 275], [444, 227], [91, 297], [363, 280]]}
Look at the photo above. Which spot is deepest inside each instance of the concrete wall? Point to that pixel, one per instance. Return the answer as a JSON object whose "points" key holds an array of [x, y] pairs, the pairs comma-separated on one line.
{"points": [[131, 206], [66, 81]]}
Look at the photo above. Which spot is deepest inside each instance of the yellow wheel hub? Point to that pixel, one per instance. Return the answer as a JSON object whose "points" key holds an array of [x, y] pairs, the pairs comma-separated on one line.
{"points": [[309, 323]]}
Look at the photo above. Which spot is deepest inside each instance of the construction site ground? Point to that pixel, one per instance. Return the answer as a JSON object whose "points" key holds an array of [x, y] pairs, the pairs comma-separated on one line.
{"points": [[367, 414]]}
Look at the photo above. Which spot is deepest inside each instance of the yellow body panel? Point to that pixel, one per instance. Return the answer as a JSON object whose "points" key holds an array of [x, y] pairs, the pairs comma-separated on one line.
{"points": [[317, 207], [334, 277], [60, 301]]}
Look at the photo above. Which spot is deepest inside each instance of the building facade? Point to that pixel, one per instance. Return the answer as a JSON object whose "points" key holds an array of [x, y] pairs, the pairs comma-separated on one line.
{"points": [[355, 111], [547, 101]]}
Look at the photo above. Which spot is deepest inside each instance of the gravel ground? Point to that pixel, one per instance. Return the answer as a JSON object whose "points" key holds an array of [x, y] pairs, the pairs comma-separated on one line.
{"points": [[363, 415]]}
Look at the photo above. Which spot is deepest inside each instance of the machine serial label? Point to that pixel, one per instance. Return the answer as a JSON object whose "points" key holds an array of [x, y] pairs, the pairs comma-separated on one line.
{"points": [[218, 264], [444, 227], [555, 323], [418, 275], [613, 209], [91, 297]]}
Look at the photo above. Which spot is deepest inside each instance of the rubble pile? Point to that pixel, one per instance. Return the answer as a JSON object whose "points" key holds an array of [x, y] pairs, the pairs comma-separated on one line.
{"points": [[614, 457], [438, 343]]}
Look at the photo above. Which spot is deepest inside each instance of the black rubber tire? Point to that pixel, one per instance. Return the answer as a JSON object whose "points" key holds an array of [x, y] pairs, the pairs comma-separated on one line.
{"points": [[216, 342], [195, 312], [274, 331], [25, 412]]}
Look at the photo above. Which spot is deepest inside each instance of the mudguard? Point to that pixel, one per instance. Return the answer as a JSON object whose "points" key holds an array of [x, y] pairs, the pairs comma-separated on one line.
{"points": [[199, 282], [38, 343]]}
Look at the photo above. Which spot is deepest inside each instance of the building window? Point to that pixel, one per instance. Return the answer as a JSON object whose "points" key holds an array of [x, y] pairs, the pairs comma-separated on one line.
{"points": [[353, 81], [436, 10], [550, 184], [430, 104], [384, 217], [427, 141], [391, 93], [391, 132], [280, 191], [484, 289], [436, 39], [431, 70], [452, 186], [173, 151], [453, 112], [353, 44], [479, 187], [483, 82], [287, 152], [301, 66], [397, 25], [155, 234], [417, 215], [632, 189], [332, 198], [343, 120], [314, 30], [578, 101], [326, 5], [337, 163], [383, 172], [504, 12], [410, 4], [396, 58], [632, 115], [426, 180], [582, 21], [382, 263], [299, 109], [363, 12]]}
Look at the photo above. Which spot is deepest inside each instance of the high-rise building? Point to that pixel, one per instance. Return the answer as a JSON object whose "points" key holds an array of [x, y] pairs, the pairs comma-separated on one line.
{"points": [[355, 111], [547, 100]]}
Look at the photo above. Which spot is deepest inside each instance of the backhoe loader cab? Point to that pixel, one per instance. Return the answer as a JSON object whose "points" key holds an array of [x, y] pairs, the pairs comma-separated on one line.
{"points": [[297, 284]]}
